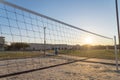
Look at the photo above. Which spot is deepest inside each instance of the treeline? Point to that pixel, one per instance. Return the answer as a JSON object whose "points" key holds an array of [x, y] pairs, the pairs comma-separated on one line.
{"points": [[17, 46], [97, 47]]}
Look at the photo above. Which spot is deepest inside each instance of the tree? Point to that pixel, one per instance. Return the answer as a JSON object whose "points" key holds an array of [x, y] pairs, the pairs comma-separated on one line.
{"points": [[19, 46]]}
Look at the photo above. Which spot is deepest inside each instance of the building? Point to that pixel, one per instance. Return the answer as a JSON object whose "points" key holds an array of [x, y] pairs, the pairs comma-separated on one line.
{"points": [[38, 46], [2, 43]]}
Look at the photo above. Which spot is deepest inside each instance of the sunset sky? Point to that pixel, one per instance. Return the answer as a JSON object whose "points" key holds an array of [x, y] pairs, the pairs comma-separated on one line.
{"points": [[93, 15]]}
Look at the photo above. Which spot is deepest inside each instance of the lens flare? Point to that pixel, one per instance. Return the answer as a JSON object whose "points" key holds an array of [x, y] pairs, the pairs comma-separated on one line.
{"points": [[88, 40]]}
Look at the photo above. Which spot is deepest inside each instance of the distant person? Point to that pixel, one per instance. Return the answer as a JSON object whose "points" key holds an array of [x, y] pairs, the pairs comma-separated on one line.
{"points": [[56, 51]]}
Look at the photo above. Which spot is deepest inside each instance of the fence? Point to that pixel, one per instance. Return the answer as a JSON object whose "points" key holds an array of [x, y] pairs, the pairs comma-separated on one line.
{"points": [[31, 41]]}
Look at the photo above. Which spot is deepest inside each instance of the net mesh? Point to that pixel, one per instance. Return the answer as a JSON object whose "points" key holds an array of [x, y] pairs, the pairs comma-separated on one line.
{"points": [[29, 42]]}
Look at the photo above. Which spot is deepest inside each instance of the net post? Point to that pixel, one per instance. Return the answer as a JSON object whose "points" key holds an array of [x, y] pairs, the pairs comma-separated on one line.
{"points": [[44, 41], [116, 53]]}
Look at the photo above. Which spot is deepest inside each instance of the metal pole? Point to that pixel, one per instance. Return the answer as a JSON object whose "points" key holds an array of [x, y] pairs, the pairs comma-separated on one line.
{"points": [[117, 17], [44, 41], [116, 53]]}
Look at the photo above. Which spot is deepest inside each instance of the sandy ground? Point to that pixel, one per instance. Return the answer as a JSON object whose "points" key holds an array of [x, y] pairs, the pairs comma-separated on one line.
{"points": [[74, 71]]}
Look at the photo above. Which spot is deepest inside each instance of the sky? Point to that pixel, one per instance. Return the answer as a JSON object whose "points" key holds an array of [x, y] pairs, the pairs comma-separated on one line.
{"points": [[97, 16]]}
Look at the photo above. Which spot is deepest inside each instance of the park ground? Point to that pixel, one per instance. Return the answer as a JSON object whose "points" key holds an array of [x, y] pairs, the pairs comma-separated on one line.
{"points": [[86, 68]]}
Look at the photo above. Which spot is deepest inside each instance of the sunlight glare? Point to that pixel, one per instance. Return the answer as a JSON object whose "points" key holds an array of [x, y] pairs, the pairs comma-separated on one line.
{"points": [[88, 40]]}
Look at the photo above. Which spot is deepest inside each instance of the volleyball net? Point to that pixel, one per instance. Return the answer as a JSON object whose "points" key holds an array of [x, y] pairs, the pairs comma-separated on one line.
{"points": [[30, 41]]}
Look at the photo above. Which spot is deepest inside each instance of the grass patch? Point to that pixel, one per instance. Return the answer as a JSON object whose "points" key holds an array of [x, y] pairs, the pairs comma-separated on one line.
{"points": [[18, 54], [102, 54]]}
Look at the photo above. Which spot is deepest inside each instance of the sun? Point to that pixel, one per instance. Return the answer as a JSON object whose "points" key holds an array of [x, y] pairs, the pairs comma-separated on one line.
{"points": [[88, 40]]}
